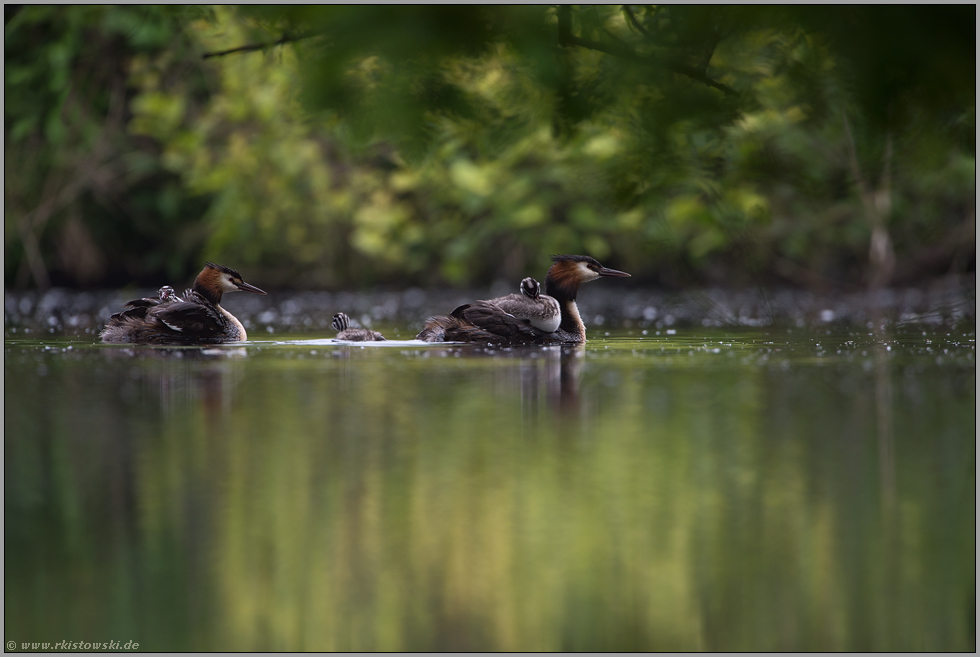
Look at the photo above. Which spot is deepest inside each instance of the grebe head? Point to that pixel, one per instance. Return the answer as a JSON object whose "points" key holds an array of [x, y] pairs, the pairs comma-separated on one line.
{"points": [[214, 280], [530, 288], [227, 279], [582, 268], [341, 322], [570, 271]]}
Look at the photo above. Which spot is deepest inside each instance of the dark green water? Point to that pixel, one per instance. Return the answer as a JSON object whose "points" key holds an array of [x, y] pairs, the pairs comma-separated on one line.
{"points": [[748, 490]]}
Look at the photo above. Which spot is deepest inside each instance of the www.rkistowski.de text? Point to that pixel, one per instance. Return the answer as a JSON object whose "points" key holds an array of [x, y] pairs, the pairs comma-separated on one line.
{"points": [[72, 645]]}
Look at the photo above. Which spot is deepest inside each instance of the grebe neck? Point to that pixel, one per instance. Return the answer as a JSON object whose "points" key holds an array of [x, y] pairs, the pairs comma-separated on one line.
{"points": [[564, 290], [208, 292]]}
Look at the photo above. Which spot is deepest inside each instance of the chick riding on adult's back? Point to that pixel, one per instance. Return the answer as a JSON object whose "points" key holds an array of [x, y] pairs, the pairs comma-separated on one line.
{"points": [[197, 318], [491, 321]]}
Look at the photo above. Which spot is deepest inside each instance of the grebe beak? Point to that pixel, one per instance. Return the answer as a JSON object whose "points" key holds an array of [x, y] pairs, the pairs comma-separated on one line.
{"points": [[245, 287], [613, 272]]}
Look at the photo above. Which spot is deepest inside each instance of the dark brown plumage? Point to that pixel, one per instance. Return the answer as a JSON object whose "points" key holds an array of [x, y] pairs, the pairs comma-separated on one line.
{"points": [[197, 318]]}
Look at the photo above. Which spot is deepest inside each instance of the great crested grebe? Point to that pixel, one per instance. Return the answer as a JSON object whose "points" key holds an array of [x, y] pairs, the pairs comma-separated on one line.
{"points": [[485, 321], [198, 318], [341, 323]]}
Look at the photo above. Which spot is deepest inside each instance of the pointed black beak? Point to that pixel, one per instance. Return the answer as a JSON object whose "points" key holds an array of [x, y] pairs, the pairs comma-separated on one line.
{"points": [[612, 272], [245, 287]]}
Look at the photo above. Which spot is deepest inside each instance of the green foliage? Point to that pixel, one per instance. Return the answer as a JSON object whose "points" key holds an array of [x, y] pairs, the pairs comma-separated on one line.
{"points": [[84, 200], [436, 144]]}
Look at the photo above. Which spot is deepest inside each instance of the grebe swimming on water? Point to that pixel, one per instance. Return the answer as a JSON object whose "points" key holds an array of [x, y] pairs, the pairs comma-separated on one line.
{"points": [[197, 318], [341, 323], [488, 322]]}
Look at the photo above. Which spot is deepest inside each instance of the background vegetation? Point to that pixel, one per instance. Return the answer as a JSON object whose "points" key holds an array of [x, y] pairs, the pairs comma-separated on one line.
{"points": [[348, 147]]}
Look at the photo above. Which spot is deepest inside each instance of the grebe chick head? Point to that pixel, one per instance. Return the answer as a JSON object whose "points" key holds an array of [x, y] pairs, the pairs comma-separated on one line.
{"points": [[167, 294], [530, 288], [341, 322], [214, 280]]}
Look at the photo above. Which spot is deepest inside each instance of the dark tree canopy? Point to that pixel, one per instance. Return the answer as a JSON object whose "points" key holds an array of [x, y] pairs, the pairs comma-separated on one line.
{"points": [[815, 145]]}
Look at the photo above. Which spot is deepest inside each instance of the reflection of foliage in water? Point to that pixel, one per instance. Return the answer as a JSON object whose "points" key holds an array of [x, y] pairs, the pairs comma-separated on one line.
{"points": [[675, 498], [488, 150]]}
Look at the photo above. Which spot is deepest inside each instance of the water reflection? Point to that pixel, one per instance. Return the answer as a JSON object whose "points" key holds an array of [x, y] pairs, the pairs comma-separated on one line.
{"points": [[181, 377], [548, 375], [711, 492], [885, 433]]}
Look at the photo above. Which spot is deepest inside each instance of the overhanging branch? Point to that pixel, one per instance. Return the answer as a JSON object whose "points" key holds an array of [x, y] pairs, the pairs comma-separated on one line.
{"points": [[285, 38], [636, 23], [567, 39]]}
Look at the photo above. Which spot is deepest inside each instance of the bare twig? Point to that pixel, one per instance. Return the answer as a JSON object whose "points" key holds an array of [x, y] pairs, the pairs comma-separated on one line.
{"points": [[285, 38], [709, 53], [634, 21], [700, 76]]}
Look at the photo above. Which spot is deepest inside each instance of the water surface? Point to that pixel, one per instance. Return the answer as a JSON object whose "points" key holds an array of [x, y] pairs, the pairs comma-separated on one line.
{"points": [[675, 490]]}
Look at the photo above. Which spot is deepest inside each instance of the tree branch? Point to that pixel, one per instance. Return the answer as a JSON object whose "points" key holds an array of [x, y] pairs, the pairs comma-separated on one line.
{"points": [[285, 38], [709, 53], [700, 76], [636, 23], [567, 39]]}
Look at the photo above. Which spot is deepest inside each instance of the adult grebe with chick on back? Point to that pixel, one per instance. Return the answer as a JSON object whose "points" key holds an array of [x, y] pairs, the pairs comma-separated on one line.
{"points": [[197, 318], [492, 322]]}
